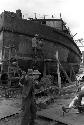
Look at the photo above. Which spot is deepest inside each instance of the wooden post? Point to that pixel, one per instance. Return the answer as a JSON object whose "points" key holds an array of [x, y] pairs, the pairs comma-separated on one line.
{"points": [[58, 72], [62, 67]]}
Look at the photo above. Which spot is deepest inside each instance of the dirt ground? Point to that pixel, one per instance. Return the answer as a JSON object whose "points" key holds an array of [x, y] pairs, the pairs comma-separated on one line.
{"points": [[13, 105]]}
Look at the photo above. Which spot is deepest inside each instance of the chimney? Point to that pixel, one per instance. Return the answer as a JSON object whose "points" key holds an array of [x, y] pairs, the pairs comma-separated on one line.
{"points": [[19, 14]]}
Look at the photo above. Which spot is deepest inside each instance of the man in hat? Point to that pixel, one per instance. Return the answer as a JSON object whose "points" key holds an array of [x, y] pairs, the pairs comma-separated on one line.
{"points": [[28, 99]]}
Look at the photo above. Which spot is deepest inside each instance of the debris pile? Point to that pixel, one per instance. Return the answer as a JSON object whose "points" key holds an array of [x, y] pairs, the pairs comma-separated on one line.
{"points": [[46, 92]]}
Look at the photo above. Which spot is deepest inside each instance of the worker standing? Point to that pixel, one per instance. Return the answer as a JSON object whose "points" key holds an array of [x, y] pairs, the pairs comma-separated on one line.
{"points": [[28, 104], [33, 107]]}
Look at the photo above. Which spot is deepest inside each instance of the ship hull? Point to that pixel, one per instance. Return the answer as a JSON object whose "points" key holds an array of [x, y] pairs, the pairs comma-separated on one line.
{"points": [[19, 33]]}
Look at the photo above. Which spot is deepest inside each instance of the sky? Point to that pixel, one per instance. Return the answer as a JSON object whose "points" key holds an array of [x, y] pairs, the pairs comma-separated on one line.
{"points": [[71, 12]]}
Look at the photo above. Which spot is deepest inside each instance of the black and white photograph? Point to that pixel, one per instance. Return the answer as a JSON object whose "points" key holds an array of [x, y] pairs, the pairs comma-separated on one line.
{"points": [[41, 62]]}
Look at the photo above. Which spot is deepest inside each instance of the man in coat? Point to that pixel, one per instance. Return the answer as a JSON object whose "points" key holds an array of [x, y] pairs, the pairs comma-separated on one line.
{"points": [[28, 105]]}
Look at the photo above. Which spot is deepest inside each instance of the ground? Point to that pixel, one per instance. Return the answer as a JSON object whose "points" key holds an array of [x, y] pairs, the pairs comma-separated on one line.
{"points": [[52, 111]]}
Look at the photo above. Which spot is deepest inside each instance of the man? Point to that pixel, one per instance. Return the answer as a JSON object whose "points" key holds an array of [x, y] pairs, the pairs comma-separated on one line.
{"points": [[28, 105]]}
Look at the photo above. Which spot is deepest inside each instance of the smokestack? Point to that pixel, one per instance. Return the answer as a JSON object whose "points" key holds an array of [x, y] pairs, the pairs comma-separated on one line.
{"points": [[19, 14]]}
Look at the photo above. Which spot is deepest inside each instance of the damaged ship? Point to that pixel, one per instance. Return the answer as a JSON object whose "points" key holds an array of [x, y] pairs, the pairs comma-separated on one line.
{"points": [[17, 34]]}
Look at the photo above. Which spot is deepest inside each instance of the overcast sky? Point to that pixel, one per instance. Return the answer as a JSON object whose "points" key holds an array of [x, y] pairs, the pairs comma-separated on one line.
{"points": [[71, 11]]}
